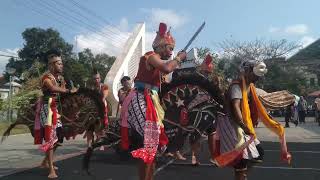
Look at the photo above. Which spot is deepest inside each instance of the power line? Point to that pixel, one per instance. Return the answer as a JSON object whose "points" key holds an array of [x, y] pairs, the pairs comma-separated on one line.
{"points": [[37, 11], [93, 14], [43, 14], [64, 5], [77, 21]]}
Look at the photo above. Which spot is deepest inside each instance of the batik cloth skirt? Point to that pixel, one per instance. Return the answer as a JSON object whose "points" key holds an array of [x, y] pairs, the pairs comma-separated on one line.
{"points": [[141, 125], [235, 146], [47, 124]]}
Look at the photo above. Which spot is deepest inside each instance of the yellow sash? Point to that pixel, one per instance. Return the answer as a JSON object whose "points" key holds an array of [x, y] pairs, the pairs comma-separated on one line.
{"points": [[271, 124]]}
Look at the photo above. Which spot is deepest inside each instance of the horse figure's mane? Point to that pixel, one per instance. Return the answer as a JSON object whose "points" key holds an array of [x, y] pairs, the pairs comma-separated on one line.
{"points": [[194, 77], [93, 94]]}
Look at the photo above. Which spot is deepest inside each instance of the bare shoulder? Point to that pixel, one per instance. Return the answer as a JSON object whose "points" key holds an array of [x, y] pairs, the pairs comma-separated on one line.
{"points": [[154, 57]]}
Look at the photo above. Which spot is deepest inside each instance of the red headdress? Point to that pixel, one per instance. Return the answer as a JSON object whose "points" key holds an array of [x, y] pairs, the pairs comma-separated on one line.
{"points": [[163, 37], [207, 64]]}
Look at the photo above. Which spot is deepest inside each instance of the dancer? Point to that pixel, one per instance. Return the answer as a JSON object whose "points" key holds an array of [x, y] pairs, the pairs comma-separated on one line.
{"points": [[103, 90], [124, 91], [238, 142], [141, 112], [48, 126]]}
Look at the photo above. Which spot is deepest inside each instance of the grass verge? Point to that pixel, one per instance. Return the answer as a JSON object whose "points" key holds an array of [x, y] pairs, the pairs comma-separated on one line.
{"points": [[19, 129]]}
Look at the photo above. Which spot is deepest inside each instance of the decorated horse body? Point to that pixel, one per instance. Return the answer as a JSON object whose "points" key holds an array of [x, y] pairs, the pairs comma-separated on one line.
{"points": [[79, 111], [191, 102]]}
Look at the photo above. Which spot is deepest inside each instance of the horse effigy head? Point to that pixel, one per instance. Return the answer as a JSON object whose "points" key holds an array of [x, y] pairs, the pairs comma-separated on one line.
{"points": [[81, 110]]}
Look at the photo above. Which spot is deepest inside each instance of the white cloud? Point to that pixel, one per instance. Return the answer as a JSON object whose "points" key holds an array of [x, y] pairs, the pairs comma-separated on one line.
{"points": [[123, 25], [168, 16], [306, 40], [274, 29], [296, 29], [149, 39], [113, 39], [155, 16], [109, 39], [4, 60]]}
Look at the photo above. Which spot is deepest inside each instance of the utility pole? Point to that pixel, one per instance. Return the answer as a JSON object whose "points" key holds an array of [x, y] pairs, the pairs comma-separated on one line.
{"points": [[11, 72]]}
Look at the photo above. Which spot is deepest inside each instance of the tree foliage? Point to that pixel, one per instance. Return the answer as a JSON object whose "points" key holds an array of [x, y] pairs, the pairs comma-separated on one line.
{"points": [[77, 67], [37, 41], [259, 49], [31, 63], [277, 78]]}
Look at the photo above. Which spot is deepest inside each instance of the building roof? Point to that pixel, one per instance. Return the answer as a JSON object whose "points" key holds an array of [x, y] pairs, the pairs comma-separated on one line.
{"points": [[312, 51], [14, 84], [4, 90]]}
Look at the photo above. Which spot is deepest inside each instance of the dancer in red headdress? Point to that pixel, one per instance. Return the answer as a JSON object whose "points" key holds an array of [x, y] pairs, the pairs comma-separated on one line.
{"points": [[48, 127], [141, 125]]}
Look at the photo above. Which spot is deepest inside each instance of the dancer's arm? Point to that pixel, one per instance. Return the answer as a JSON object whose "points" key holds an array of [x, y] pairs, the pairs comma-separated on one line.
{"points": [[53, 88], [166, 66], [236, 107], [105, 91]]}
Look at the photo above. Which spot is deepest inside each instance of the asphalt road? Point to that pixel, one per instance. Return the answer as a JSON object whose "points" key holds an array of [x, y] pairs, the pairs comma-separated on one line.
{"points": [[106, 165]]}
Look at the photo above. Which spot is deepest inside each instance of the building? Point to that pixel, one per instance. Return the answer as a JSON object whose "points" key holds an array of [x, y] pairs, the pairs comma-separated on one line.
{"points": [[4, 93], [5, 89], [305, 62], [126, 64]]}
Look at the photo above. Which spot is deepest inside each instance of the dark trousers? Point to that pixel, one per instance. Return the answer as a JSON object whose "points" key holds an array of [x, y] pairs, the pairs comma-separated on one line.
{"points": [[287, 119], [302, 116]]}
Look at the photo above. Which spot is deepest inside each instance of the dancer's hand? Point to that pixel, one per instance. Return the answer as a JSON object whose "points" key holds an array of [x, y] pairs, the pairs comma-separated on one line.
{"points": [[74, 90], [245, 128], [182, 55]]}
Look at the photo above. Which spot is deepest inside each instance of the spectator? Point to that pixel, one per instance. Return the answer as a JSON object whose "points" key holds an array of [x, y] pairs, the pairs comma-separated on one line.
{"points": [[288, 114], [317, 109], [302, 109]]}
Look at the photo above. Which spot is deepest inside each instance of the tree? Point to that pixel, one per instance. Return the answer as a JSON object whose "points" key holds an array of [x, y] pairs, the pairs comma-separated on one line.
{"points": [[37, 42], [31, 63], [76, 72], [101, 62], [258, 49], [86, 57], [273, 51], [80, 70], [279, 79]]}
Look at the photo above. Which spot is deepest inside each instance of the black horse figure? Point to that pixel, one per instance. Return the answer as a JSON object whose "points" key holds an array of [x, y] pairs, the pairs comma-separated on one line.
{"points": [[78, 112], [190, 93], [191, 102]]}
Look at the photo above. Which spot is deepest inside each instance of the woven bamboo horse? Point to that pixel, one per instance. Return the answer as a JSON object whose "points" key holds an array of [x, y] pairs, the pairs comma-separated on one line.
{"points": [[79, 111]]}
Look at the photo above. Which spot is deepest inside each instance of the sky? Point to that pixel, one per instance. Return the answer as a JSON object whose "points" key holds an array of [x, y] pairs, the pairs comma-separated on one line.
{"points": [[103, 26]]}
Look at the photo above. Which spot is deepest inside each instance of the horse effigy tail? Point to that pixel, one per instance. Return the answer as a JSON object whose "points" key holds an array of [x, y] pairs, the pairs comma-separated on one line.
{"points": [[7, 132]]}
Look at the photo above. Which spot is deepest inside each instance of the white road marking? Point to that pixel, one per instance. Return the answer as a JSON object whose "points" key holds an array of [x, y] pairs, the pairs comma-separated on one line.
{"points": [[258, 167], [312, 152]]}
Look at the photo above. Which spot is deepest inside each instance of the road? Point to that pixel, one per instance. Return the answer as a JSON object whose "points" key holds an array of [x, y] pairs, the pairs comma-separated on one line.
{"points": [[304, 144]]}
